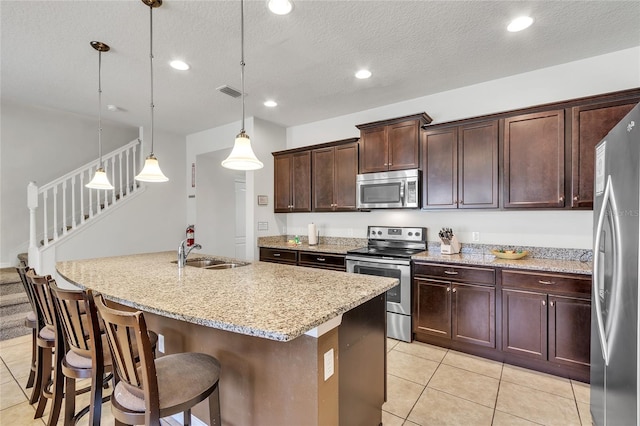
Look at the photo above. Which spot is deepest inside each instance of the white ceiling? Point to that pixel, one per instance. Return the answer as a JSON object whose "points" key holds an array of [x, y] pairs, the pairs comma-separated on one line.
{"points": [[305, 60]]}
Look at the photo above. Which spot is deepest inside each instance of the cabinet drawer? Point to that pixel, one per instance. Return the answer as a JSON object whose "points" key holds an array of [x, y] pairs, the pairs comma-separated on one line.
{"points": [[278, 255], [547, 282], [322, 260], [456, 273]]}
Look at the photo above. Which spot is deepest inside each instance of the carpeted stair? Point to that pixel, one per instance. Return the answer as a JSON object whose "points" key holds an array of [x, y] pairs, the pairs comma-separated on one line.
{"points": [[14, 305]]}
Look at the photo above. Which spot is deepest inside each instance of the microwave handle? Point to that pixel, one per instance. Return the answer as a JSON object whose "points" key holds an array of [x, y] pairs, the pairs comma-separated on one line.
{"points": [[402, 184]]}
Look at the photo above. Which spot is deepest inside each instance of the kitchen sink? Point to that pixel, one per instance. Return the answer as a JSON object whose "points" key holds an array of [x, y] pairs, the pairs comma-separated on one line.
{"points": [[207, 263]]}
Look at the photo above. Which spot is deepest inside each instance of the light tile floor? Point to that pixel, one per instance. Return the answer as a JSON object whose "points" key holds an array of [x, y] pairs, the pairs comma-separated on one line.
{"points": [[426, 385]]}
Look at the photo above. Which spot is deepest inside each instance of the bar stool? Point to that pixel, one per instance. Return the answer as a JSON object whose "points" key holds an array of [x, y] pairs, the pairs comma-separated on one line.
{"points": [[86, 355], [31, 321], [50, 341], [156, 388]]}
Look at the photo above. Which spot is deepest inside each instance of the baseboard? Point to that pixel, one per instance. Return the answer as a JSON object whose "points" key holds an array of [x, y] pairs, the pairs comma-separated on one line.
{"points": [[6, 265]]}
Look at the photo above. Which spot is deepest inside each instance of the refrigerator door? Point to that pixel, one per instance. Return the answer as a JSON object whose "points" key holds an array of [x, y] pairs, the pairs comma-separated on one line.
{"points": [[614, 319]]}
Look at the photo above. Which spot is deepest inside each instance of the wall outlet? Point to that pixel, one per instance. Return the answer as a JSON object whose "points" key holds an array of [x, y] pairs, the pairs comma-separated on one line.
{"points": [[263, 226], [328, 364], [475, 237], [160, 343]]}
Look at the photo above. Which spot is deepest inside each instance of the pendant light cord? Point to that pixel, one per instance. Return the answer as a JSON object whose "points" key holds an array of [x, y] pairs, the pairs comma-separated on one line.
{"points": [[242, 57], [151, 67], [99, 109]]}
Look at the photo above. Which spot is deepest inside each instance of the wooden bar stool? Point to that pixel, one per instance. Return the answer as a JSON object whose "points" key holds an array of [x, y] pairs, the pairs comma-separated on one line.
{"points": [[156, 388], [50, 344], [33, 322], [86, 355]]}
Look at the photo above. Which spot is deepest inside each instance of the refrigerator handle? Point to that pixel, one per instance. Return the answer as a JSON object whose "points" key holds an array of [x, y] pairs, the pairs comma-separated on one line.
{"points": [[608, 199]]}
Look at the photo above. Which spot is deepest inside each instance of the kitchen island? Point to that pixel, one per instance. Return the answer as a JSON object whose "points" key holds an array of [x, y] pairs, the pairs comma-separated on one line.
{"points": [[297, 345]]}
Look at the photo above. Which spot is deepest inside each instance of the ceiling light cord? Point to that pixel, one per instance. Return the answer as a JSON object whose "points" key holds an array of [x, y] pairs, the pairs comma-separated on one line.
{"points": [[99, 109], [242, 63], [151, 106]]}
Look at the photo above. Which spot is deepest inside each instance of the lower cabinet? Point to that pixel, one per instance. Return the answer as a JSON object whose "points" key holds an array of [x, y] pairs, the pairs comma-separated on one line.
{"points": [[288, 257], [460, 311], [311, 259]]}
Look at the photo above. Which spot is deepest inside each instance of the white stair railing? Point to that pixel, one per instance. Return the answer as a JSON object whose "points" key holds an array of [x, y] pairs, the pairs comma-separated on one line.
{"points": [[67, 203]]}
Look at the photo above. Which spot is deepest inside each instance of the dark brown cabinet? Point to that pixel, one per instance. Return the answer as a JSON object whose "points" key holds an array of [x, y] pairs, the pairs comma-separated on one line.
{"points": [[322, 260], [391, 144], [292, 182], [589, 125], [534, 160], [334, 177], [460, 166], [462, 308], [547, 317], [275, 255]]}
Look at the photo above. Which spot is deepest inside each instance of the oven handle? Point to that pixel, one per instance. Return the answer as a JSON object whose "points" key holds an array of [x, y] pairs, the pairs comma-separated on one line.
{"points": [[369, 261]]}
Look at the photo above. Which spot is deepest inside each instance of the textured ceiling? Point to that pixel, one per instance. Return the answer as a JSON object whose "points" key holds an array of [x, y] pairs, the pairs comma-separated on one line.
{"points": [[305, 61]]}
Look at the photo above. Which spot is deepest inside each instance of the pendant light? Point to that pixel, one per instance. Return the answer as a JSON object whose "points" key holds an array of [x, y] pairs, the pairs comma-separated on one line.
{"points": [[100, 179], [242, 156], [151, 171]]}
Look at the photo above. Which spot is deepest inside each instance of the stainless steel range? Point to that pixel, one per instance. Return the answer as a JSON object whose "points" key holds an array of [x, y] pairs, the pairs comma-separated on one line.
{"points": [[388, 254]]}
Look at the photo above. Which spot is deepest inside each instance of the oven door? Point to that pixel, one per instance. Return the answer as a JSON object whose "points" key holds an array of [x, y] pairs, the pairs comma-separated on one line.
{"points": [[399, 297]]}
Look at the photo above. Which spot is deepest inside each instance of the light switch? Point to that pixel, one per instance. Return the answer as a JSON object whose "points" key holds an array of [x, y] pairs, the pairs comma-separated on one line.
{"points": [[328, 364], [263, 226]]}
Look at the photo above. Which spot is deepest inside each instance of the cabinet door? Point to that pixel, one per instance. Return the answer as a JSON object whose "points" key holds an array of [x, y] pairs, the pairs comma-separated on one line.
{"points": [[346, 169], [440, 168], [374, 155], [478, 165], [589, 125], [282, 183], [524, 323], [403, 144], [323, 179], [432, 307], [534, 160], [569, 330], [301, 182], [474, 314]]}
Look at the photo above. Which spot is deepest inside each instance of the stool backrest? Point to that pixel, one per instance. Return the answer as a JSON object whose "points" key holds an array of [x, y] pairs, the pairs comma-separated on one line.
{"points": [[78, 317], [22, 271], [129, 343], [42, 297]]}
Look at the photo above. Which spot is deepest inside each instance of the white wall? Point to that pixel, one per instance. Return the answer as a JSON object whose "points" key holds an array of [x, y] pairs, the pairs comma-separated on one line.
{"points": [[39, 144], [571, 229], [265, 137]]}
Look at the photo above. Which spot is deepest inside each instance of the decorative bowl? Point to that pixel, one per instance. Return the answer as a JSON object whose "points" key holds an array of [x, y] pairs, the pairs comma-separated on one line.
{"points": [[509, 254]]}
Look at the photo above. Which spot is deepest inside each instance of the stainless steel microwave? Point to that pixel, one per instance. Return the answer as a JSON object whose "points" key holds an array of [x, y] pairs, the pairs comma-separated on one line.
{"points": [[389, 190]]}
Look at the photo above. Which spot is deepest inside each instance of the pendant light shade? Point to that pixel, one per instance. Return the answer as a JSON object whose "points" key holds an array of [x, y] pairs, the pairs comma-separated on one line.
{"points": [[242, 156], [151, 171], [100, 179]]}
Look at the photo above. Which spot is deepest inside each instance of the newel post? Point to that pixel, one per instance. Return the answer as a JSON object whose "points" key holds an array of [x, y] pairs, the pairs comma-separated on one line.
{"points": [[32, 203]]}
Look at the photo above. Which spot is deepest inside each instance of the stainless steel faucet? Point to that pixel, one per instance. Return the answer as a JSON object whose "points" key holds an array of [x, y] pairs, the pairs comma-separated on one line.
{"points": [[184, 252]]}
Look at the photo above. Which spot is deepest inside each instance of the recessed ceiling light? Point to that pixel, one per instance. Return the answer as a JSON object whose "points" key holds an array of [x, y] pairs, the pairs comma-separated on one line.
{"points": [[520, 24], [113, 108], [179, 65], [270, 103], [362, 74], [280, 7]]}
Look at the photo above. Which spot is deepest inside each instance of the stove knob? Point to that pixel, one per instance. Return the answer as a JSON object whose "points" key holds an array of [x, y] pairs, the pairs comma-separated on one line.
{"points": [[379, 232], [417, 234], [411, 233]]}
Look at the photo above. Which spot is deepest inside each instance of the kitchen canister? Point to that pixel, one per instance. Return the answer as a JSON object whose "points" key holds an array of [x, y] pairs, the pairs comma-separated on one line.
{"points": [[313, 234]]}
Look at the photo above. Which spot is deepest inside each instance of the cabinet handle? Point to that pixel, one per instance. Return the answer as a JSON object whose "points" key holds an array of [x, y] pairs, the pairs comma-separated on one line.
{"points": [[544, 303], [451, 272], [386, 164], [461, 201], [454, 290], [576, 198], [320, 259], [561, 199], [276, 254], [551, 303], [546, 282], [448, 289]]}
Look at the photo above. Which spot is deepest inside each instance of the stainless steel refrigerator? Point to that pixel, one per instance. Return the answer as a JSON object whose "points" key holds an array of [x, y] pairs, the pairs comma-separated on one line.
{"points": [[614, 300]]}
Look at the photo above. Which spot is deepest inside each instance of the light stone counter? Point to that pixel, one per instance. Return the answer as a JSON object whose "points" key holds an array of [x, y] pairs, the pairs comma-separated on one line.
{"points": [[537, 264], [268, 300]]}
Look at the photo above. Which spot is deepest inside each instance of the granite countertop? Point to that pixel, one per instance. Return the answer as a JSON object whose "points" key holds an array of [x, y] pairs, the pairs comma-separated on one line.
{"points": [[268, 300], [537, 264]]}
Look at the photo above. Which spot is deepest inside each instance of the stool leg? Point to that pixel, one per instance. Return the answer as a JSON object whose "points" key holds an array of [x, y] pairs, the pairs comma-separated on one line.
{"points": [[187, 417], [58, 389], [37, 385], [43, 382], [95, 410], [69, 400], [214, 408], [34, 344]]}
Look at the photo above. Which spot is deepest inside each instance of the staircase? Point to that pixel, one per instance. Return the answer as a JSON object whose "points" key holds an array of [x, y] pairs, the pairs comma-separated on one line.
{"points": [[14, 305], [63, 207]]}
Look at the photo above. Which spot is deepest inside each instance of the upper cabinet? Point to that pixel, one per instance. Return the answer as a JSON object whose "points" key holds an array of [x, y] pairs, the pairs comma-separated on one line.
{"points": [[534, 160], [292, 182], [391, 144], [589, 125], [460, 166], [334, 177]]}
